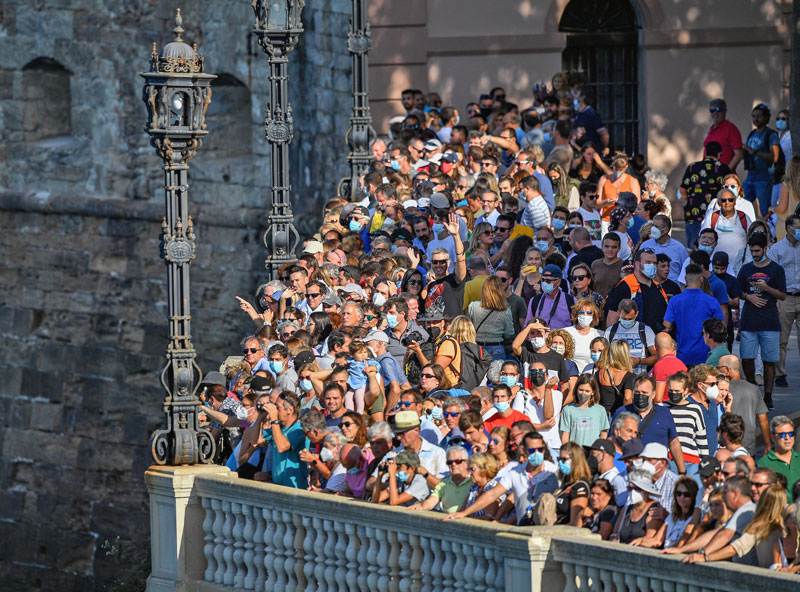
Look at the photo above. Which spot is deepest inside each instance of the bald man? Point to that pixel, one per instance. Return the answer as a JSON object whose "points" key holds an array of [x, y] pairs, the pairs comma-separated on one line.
{"points": [[747, 403], [667, 363], [356, 464]]}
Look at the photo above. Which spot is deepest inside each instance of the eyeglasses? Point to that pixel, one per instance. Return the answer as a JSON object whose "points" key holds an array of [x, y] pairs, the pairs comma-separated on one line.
{"points": [[648, 250], [495, 441], [731, 187], [348, 424], [250, 350], [287, 334], [370, 317], [405, 403], [579, 278], [759, 485], [728, 475], [440, 261], [503, 279], [784, 434], [716, 109], [472, 469], [502, 228], [489, 232], [451, 414], [455, 461], [414, 282], [682, 493], [427, 376], [487, 164], [313, 294], [537, 449], [726, 199]]}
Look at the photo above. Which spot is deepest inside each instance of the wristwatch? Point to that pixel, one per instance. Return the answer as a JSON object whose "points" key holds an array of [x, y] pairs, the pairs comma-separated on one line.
{"points": [[275, 422]]}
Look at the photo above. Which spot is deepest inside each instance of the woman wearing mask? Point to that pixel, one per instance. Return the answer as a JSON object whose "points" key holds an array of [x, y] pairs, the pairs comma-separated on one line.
{"points": [[561, 342], [586, 317], [789, 197], [308, 396], [596, 348], [655, 184], [572, 497], [613, 183], [565, 192], [584, 420], [530, 280], [492, 318], [636, 521], [680, 523], [558, 223], [620, 220]]}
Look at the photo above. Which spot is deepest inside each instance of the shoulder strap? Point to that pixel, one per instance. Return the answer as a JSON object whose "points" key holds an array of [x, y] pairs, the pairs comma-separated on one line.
{"points": [[643, 337], [612, 332], [742, 219], [714, 218], [647, 421], [483, 320], [456, 349]]}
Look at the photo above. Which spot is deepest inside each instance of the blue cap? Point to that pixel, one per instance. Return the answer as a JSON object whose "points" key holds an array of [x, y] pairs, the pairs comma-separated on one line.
{"points": [[276, 295], [552, 270]]}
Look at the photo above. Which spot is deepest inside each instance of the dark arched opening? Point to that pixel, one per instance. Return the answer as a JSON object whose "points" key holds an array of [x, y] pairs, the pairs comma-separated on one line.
{"points": [[602, 44], [46, 100], [229, 119]]}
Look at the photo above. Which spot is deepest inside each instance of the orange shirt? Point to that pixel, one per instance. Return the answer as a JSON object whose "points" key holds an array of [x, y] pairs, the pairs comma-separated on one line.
{"points": [[608, 189], [450, 349]]}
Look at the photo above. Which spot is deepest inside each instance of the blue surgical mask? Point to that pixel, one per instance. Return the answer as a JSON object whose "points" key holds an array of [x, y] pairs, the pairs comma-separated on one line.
{"points": [[461, 203], [780, 124], [547, 287], [501, 406], [576, 104], [509, 381], [630, 222], [402, 476], [558, 223], [353, 471], [542, 245], [764, 258], [396, 165], [655, 233], [627, 323], [306, 385], [705, 248], [437, 413], [649, 270], [564, 467], [354, 226], [394, 248], [276, 367], [392, 320], [536, 459], [595, 356], [547, 137], [438, 229], [796, 234]]}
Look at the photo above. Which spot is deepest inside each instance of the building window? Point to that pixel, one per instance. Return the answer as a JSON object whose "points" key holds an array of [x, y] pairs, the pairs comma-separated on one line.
{"points": [[46, 100], [602, 44], [229, 119]]}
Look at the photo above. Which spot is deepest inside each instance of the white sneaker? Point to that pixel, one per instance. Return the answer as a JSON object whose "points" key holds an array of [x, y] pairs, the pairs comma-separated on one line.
{"points": [[759, 380]]}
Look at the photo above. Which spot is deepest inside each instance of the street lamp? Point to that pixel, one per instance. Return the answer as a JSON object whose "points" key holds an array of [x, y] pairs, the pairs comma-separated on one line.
{"points": [[177, 93], [361, 133], [278, 27]]}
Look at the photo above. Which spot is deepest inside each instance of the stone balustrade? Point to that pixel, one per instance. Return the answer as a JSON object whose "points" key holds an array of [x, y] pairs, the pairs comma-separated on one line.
{"points": [[213, 532]]}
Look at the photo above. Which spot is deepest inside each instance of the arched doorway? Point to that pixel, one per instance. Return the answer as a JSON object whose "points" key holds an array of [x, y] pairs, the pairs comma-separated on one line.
{"points": [[602, 43]]}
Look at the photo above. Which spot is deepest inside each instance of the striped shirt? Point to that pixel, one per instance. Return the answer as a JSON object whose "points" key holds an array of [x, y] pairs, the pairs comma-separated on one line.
{"points": [[536, 214], [691, 428]]}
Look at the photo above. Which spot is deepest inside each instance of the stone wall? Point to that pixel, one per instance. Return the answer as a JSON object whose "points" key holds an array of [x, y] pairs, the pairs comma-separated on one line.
{"points": [[82, 289]]}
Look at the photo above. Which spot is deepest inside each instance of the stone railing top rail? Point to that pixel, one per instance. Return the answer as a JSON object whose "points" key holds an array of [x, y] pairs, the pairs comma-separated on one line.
{"points": [[514, 540], [648, 563]]}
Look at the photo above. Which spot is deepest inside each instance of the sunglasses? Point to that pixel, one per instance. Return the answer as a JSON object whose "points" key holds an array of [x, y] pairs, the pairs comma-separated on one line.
{"points": [[456, 461], [370, 317], [451, 414], [716, 109], [405, 403], [502, 228], [414, 282], [495, 441], [440, 262], [538, 449], [427, 376], [313, 294], [682, 494], [288, 334], [784, 434], [754, 484], [348, 424], [726, 200], [578, 278], [250, 350]]}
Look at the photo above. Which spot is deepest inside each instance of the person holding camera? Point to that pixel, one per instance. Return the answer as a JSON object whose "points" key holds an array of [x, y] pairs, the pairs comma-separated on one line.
{"points": [[402, 485], [401, 331]]}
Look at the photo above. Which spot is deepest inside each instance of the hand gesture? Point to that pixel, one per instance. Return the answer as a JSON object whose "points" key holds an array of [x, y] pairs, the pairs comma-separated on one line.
{"points": [[414, 347], [288, 294], [307, 457], [391, 467], [413, 257], [268, 316], [272, 411], [552, 383], [451, 225], [246, 306], [548, 423], [370, 370]]}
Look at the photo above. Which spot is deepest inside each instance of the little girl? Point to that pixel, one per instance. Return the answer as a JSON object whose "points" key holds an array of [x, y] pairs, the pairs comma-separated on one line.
{"points": [[585, 420], [356, 363]]}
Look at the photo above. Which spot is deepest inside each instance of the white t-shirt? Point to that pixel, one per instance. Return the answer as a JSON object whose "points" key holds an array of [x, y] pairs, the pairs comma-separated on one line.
{"points": [[535, 411], [625, 245], [583, 355], [732, 235], [594, 224], [635, 342], [518, 481]]}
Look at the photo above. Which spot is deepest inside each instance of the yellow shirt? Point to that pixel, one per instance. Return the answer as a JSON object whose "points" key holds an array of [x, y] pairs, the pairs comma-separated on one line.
{"points": [[473, 289]]}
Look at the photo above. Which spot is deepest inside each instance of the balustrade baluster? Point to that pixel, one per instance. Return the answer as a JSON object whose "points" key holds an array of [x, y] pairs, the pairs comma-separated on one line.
{"points": [[394, 561], [372, 559], [436, 566], [330, 555], [657, 585], [278, 557], [289, 560], [238, 544], [259, 549], [479, 569], [619, 581], [383, 558], [308, 551], [352, 567], [227, 534], [299, 554], [208, 537], [219, 541], [681, 587], [501, 570], [341, 555], [468, 570], [491, 570], [417, 553], [319, 556], [606, 581], [249, 545], [447, 567], [643, 584], [582, 573], [425, 569], [363, 564], [669, 586], [630, 582], [459, 580], [269, 549], [569, 576], [404, 562]]}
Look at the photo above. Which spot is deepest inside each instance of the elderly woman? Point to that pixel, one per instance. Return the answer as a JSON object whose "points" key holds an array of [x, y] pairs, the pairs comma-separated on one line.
{"points": [[586, 316], [483, 470], [655, 184]]}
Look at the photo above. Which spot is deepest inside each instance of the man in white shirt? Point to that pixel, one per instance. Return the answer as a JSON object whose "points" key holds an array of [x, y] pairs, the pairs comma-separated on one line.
{"points": [[491, 207], [603, 451], [661, 242], [589, 212], [731, 224], [544, 409], [786, 253]]}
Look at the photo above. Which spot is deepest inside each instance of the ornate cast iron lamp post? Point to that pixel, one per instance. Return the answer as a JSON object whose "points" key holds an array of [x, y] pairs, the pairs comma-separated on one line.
{"points": [[177, 93], [360, 134], [278, 27]]}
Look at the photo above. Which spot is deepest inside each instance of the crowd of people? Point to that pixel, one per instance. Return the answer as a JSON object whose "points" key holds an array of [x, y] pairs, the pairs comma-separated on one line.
{"points": [[504, 328]]}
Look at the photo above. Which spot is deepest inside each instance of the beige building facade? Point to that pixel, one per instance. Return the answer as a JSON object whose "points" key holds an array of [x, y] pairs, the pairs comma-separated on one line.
{"points": [[686, 53]]}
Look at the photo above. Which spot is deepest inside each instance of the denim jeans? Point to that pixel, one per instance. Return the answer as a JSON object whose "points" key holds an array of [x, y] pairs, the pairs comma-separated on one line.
{"points": [[692, 233], [497, 352], [758, 189]]}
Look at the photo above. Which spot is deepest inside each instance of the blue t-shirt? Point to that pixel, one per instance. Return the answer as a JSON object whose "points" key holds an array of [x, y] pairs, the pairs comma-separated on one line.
{"points": [[661, 428], [589, 120], [758, 168], [687, 311], [287, 468], [718, 289]]}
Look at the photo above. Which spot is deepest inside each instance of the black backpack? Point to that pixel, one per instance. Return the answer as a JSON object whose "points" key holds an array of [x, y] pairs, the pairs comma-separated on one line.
{"points": [[474, 366]]}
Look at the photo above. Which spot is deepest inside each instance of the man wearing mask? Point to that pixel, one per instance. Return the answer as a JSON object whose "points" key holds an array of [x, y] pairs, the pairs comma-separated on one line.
{"points": [[400, 327], [661, 242], [689, 422], [505, 416], [703, 383], [719, 265], [640, 337], [730, 224], [285, 377], [667, 363], [537, 213], [603, 451], [553, 304], [536, 331], [650, 298], [624, 429], [706, 242], [656, 423], [544, 406]]}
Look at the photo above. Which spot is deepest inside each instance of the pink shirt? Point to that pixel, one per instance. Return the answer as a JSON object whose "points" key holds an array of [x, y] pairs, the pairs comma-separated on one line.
{"points": [[356, 482]]}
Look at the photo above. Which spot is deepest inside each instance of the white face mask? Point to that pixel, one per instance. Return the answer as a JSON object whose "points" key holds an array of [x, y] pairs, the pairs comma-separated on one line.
{"points": [[379, 299], [636, 497], [584, 320], [326, 455], [537, 342], [241, 413], [712, 392]]}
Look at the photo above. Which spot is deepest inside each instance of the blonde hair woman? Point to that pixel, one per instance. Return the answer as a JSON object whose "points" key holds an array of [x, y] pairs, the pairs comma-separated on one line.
{"points": [[480, 242], [492, 318], [615, 376], [790, 196]]}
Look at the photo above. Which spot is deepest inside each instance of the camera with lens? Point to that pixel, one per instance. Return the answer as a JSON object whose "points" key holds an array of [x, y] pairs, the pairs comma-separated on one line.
{"points": [[413, 336]]}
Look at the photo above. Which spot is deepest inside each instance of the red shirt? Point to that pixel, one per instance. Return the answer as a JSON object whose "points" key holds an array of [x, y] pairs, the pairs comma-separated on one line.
{"points": [[729, 137], [666, 367], [495, 420]]}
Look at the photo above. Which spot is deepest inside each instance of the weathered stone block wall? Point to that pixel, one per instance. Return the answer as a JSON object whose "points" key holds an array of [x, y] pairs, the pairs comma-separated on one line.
{"points": [[82, 290]]}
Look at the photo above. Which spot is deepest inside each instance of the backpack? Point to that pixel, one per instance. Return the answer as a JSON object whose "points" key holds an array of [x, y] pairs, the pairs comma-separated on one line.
{"points": [[474, 366], [742, 219]]}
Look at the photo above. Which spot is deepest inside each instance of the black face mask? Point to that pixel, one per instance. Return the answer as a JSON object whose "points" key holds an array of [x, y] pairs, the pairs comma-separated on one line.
{"points": [[641, 402], [675, 397], [434, 332], [537, 377]]}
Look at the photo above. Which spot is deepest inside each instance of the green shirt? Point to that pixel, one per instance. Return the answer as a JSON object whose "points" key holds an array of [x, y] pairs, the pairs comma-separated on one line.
{"points": [[452, 496], [715, 354], [791, 471]]}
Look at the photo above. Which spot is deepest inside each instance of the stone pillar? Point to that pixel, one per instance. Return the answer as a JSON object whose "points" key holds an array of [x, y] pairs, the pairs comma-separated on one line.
{"points": [[176, 526]]}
